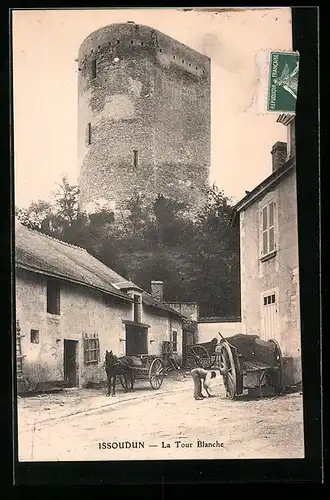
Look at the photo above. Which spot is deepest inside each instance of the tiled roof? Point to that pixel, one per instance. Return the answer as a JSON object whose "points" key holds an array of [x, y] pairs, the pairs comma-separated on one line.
{"points": [[148, 300], [274, 178], [41, 253]]}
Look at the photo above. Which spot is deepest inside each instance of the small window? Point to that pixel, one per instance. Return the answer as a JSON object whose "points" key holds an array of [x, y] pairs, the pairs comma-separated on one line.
{"points": [[189, 64], [135, 158], [94, 68], [182, 61], [196, 67], [132, 42], [53, 297], [174, 57], [137, 308], [175, 340], [34, 336], [269, 299], [118, 41], [99, 46], [89, 133], [160, 50], [142, 43]]}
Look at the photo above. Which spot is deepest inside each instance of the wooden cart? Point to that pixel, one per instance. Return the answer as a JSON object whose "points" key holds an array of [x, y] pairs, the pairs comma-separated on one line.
{"points": [[151, 368], [247, 362]]}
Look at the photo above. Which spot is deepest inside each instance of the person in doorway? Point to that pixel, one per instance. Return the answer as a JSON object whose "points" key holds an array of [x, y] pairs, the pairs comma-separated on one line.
{"points": [[201, 378]]}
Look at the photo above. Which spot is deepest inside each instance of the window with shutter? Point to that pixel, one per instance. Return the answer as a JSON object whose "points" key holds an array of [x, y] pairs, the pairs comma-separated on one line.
{"points": [[271, 227], [265, 231], [268, 231], [91, 349]]}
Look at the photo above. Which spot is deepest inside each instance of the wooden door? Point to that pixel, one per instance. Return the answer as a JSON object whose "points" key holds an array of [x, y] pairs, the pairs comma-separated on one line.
{"points": [[269, 316], [70, 362]]}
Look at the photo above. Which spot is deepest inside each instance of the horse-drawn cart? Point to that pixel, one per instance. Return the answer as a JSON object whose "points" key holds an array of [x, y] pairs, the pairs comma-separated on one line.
{"points": [[202, 355], [146, 367], [248, 362]]}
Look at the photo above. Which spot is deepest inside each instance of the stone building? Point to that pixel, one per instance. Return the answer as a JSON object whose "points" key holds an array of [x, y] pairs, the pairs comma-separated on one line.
{"points": [[267, 215], [71, 308], [143, 117]]}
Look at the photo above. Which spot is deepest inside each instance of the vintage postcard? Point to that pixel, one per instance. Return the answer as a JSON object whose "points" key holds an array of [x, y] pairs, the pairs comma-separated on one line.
{"points": [[156, 241]]}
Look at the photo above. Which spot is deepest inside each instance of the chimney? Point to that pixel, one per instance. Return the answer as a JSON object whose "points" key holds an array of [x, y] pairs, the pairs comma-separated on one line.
{"points": [[279, 154], [157, 288]]}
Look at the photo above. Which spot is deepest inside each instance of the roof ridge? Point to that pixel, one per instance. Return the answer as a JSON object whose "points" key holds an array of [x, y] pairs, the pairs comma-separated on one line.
{"points": [[53, 238]]}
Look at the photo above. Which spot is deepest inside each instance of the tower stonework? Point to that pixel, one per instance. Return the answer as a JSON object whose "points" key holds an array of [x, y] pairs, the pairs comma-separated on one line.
{"points": [[143, 117]]}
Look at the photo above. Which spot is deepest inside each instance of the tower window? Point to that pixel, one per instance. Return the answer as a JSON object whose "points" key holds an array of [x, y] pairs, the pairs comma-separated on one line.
{"points": [[189, 64], [196, 67], [118, 41], [160, 50], [142, 43], [174, 57], [135, 158], [182, 60], [94, 68], [89, 133], [132, 42]]}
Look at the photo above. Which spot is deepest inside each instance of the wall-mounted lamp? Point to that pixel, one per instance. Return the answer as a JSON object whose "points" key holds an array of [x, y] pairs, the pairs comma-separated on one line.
{"points": [[58, 340], [122, 340], [152, 340]]}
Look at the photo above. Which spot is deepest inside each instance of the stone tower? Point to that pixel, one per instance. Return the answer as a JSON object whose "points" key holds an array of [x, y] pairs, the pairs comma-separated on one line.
{"points": [[143, 117]]}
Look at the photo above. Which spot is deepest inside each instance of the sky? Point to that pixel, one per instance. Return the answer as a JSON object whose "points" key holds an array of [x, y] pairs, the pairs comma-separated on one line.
{"points": [[45, 103]]}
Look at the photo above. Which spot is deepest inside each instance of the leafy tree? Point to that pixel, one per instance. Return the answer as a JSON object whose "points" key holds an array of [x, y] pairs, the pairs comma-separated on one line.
{"points": [[38, 216], [171, 224], [197, 258], [217, 257]]}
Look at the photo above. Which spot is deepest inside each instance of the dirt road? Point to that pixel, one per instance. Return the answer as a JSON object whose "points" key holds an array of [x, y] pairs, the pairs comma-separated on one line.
{"points": [[165, 424]]}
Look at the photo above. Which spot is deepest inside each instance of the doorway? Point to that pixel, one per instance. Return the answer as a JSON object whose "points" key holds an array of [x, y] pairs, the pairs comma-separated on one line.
{"points": [[187, 341], [269, 315], [136, 340], [70, 362]]}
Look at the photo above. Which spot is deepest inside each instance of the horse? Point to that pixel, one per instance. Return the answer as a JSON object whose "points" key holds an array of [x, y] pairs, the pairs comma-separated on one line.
{"points": [[118, 367]]}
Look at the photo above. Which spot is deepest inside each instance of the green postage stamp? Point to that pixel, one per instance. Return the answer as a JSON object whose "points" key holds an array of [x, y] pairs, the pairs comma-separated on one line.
{"points": [[283, 82], [278, 81]]}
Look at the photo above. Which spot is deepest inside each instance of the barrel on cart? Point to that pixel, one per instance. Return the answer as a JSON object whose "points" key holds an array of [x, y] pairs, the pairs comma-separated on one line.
{"points": [[248, 362]]}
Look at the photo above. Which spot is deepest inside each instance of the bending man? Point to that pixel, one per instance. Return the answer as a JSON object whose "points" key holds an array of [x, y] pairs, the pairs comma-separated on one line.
{"points": [[202, 377]]}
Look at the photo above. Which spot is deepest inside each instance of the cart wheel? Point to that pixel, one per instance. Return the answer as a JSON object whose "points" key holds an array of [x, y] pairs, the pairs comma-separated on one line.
{"points": [[277, 375], [228, 368], [198, 356], [156, 373]]}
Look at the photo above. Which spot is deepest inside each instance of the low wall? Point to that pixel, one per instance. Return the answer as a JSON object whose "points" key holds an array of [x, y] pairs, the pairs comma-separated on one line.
{"points": [[209, 329]]}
